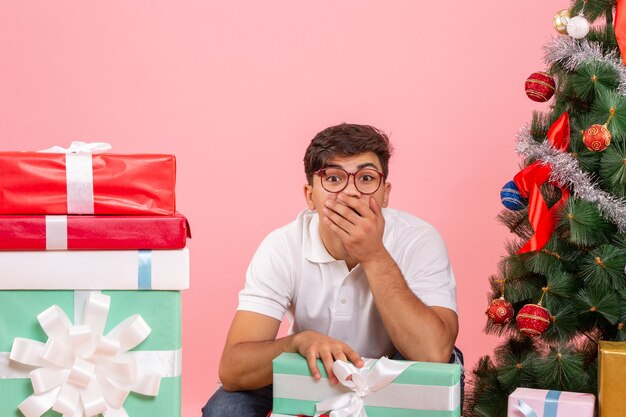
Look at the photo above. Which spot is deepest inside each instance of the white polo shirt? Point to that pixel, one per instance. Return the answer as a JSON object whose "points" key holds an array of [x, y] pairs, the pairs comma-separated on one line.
{"points": [[292, 273]]}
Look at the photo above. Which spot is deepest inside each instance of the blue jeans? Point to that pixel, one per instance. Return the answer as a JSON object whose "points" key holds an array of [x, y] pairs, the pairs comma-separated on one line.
{"points": [[254, 403], [258, 403]]}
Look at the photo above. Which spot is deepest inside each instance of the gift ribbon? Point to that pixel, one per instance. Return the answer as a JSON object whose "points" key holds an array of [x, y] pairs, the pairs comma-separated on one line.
{"points": [[528, 181], [362, 381], [56, 239], [620, 28], [79, 174], [550, 405], [166, 363], [79, 371], [144, 269], [558, 134], [56, 232], [293, 394]]}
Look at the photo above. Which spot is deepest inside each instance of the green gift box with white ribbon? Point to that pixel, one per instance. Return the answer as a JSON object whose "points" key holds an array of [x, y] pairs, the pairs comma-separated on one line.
{"points": [[382, 388], [104, 352]]}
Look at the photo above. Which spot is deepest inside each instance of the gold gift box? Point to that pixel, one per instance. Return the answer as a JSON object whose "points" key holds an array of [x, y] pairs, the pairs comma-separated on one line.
{"points": [[611, 378]]}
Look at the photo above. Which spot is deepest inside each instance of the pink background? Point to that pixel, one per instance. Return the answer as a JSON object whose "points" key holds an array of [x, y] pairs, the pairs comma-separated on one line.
{"points": [[237, 89]]}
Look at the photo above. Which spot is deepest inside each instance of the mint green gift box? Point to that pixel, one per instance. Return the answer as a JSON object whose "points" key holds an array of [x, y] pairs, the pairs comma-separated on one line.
{"points": [[424, 389], [160, 309]]}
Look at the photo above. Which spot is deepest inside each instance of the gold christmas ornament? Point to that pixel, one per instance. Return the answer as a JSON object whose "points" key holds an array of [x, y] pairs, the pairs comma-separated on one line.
{"points": [[560, 21]]}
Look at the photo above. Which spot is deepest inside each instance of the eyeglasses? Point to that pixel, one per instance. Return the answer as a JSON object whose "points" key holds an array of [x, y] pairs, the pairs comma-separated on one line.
{"points": [[335, 180]]}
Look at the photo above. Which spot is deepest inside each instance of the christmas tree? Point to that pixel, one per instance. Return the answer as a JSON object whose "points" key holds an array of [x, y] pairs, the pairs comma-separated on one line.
{"points": [[561, 287]]}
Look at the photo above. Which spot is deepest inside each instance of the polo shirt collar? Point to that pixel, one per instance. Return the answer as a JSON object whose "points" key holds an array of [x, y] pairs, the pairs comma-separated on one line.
{"points": [[314, 249]]}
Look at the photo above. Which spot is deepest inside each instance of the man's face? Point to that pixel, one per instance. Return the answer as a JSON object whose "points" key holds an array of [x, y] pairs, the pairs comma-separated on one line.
{"points": [[316, 195]]}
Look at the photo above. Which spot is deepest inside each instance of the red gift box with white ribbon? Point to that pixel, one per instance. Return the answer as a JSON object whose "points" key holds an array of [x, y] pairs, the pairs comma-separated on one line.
{"points": [[86, 232], [81, 180]]}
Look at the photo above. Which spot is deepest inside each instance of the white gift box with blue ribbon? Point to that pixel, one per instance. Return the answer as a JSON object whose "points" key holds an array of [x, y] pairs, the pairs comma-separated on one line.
{"points": [[529, 402], [94, 270]]}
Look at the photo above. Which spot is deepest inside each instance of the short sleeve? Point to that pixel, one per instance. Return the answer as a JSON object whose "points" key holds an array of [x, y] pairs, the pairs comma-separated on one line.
{"points": [[268, 288], [427, 270]]}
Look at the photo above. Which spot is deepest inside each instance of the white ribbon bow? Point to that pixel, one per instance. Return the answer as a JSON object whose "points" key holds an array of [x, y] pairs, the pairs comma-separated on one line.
{"points": [[372, 377], [79, 147], [79, 372]]}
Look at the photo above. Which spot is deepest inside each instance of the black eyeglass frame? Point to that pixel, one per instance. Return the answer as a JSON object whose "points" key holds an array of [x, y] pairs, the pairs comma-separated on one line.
{"points": [[322, 171]]}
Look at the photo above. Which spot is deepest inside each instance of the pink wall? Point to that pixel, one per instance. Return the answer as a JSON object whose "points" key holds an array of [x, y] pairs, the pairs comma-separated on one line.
{"points": [[236, 90]]}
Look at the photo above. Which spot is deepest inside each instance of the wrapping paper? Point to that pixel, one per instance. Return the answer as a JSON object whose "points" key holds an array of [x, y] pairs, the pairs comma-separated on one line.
{"points": [[423, 389], [61, 232], [611, 378], [161, 351], [95, 270], [36, 183], [544, 403]]}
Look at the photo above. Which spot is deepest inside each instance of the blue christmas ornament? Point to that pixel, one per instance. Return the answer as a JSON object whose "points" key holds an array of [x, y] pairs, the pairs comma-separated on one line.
{"points": [[511, 197]]}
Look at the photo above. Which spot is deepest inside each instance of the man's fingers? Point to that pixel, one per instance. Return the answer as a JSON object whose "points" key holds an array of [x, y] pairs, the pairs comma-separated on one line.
{"points": [[311, 360], [343, 234], [340, 356], [352, 209], [341, 212], [375, 207], [315, 346], [355, 205], [355, 358], [328, 361], [338, 220]]}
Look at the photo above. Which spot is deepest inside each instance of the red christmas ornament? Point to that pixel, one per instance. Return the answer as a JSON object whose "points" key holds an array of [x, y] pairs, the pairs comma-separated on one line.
{"points": [[540, 86], [533, 320], [597, 138], [500, 311]]}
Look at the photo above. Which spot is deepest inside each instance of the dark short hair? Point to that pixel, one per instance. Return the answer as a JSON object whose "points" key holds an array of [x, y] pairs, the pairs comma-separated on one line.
{"points": [[346, 140]]}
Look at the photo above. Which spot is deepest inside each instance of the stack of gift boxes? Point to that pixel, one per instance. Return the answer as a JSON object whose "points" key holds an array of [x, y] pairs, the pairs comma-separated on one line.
{"points": [[92, 261]]}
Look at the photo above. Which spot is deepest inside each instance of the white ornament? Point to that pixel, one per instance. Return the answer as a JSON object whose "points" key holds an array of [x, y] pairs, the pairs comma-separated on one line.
{"points": [[578, 27]]}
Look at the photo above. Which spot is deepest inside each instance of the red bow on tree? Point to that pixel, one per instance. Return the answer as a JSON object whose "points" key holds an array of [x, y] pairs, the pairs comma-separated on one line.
{"points": [[528, 180], [620, 27]]}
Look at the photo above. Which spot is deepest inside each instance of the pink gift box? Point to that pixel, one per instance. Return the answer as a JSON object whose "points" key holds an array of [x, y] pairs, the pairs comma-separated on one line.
{"points": [[546, 403]]}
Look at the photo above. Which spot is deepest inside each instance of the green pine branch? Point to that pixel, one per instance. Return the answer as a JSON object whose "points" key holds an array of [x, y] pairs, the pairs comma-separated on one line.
{"points": [[583, 225], [607, 103], [598, 307], [591, 77], [603, 268], [613, 168], [593, 9], [562, 369]]}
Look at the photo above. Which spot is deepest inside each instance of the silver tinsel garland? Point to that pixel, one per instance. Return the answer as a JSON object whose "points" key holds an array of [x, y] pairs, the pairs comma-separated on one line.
{"points": [[566, 172], [570, 53]]}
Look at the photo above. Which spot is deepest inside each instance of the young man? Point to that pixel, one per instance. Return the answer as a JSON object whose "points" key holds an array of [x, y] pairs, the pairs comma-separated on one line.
{"points": [[355, 278]]}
